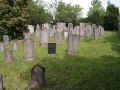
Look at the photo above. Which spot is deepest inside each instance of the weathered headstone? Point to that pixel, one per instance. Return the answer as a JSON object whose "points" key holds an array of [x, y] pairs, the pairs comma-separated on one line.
{"points": [[37, 32], [6, 40], [37, 77], [28, 49], [2, 47], [8, 55], [26, 35], [1, 82], [31, 28], [51, 49], [65, 35], [15, 46], [58, 37], [69, 44]]}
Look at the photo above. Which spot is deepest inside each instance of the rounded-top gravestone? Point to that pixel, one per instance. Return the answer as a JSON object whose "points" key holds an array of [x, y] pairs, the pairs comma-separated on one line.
{"points": [[37, 77]]}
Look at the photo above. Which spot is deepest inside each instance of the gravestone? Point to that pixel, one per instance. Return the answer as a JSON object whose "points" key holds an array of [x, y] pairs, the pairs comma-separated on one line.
{"points": [[26, 35], [37, 77], [8, 55], [65, 35], [69, 44], [58, 37], [37, 32], [1, 82], [31, 28], [51, 49], [5, 40], [28, 49], [15, 46], [2, 47]]}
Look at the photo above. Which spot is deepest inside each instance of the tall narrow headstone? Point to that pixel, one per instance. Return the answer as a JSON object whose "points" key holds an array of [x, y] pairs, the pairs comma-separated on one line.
{"points": [[6, 40], [37, 77], [28, 49], [15, 46], [8, 55], [58, 37], [37, 32], [1, 82]]}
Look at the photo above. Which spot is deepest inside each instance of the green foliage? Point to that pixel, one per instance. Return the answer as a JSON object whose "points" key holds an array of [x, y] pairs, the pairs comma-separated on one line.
{"points": [[68, 13], [37, 13], [13, 19], [111, 17], [96, 12]]}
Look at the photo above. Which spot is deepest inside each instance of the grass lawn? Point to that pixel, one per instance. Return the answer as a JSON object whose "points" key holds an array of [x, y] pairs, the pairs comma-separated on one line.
{"points": [[96, 67]]}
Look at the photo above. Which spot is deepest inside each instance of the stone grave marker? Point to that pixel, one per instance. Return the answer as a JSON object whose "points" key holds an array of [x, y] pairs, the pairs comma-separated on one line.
{"points": [[28, 49], [15, 46], [6, 39], [51, 49], [2, 47], [37, 77], [8, 55], [1, 82]]}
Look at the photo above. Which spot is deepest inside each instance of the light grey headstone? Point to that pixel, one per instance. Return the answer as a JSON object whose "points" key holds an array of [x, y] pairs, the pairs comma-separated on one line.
{"points": [[2, 47], [6, 39], [37, 32], [58, 37], [31, 28], [26, 35], [8, 55], [15, 46], [28, 49], [65, 35]]}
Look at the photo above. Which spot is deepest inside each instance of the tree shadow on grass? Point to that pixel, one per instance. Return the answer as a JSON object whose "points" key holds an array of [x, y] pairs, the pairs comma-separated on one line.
{"points": [[81, 73]]}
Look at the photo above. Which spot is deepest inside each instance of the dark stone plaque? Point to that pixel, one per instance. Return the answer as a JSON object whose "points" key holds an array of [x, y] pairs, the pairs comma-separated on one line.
{"points": [[37, 77], [51, 48]]}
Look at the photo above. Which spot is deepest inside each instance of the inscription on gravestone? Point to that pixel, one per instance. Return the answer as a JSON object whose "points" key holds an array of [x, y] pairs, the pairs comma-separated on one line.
{"points": [[37, 77], [1, 82], [51, 49]]}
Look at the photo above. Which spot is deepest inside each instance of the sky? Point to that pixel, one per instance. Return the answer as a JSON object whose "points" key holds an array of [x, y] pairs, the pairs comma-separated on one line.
{"points": [[86, 4]]}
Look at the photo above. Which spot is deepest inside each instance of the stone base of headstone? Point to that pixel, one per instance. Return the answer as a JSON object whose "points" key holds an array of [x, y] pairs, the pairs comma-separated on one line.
{"points": [[51, 54]]}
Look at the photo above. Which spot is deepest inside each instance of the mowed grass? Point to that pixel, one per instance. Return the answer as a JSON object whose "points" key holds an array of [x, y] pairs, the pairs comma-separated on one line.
{"points": [[96, 67]]}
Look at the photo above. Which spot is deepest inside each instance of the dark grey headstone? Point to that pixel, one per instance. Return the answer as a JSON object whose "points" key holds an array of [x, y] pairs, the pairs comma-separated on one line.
{"points": [[37, 77], [28, 49], [51, 49], [1, 82], [8, 55]]}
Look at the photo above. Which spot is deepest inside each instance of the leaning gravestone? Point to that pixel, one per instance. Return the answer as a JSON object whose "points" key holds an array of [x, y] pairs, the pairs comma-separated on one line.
{"points": [[8, 55], [1, 82], [37, 77], [2, 47], [6, 40], [28, 49], [51, 49]]}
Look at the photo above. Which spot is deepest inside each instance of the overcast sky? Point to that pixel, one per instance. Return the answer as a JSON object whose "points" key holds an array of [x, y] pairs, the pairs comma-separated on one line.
{"points": [[85, 4]]}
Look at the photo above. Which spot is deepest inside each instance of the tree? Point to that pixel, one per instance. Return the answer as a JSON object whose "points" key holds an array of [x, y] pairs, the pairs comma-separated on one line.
{"points": [[111, 17], [68, 13], [37, 13], [96, 13], [13, 18]]}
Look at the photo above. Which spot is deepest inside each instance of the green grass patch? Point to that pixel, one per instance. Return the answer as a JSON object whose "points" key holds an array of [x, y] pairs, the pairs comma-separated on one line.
{"points": [[96, 67]]}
